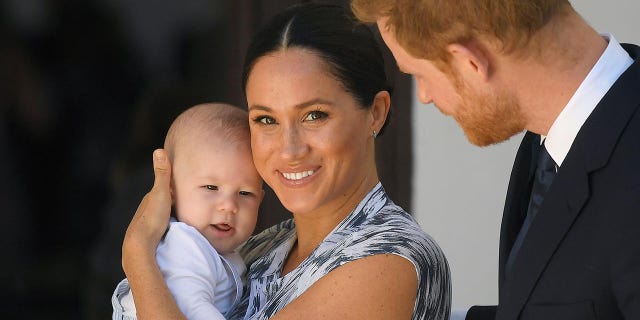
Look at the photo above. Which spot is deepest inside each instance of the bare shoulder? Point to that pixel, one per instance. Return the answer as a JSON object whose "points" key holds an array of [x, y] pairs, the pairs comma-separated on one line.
{"points": [[381, 286]]}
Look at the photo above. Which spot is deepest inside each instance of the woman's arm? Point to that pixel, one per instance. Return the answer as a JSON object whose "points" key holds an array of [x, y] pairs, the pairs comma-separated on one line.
{"points": [[151, 295], [376, 287]]}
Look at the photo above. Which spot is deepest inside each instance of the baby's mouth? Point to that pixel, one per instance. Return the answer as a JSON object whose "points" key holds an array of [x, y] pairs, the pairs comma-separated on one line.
{"points": [[222, 227]]}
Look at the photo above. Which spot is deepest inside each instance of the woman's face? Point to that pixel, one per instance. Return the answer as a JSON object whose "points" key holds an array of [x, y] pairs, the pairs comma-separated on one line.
{"points": [[311, 141]]}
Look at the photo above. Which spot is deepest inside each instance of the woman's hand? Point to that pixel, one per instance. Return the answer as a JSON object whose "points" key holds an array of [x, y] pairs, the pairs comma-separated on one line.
{"points": [[152, 217], [150, 293]]}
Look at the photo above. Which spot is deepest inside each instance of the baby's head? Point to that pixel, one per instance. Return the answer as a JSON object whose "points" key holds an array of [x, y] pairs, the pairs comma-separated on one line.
{"points": [[216, 188]]}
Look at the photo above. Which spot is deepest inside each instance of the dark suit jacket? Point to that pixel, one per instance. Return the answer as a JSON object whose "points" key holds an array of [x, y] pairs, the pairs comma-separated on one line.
{"points": [[581, 256]]}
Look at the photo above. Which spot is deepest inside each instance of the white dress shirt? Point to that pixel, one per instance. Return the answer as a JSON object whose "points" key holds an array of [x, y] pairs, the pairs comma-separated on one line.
{"points": [[613, 62]]}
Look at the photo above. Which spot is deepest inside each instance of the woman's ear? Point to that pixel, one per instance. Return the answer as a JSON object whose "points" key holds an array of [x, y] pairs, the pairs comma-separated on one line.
{"points": [[379, 110], [471, 60]]}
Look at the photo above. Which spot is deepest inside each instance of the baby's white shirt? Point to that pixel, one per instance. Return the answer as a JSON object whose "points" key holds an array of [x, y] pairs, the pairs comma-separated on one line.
{"points": [[204, 283]]}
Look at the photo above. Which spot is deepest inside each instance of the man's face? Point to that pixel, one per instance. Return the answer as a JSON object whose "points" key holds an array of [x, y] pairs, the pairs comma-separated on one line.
{"points": [[486, 117], [433, 85]]}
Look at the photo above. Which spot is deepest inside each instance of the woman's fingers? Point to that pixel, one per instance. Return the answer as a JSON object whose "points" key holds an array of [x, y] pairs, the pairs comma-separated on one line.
{"points": [[158, 205], [153, 298], [152, 216], [158, 202], [162, 170]]}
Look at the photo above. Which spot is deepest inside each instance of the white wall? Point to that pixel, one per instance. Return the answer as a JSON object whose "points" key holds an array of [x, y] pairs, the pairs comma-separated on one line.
{"points": [[459, 189]]}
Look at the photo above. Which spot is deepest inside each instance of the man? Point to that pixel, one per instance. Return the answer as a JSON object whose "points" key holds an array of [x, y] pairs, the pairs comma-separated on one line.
{"points": [[570, 237]]}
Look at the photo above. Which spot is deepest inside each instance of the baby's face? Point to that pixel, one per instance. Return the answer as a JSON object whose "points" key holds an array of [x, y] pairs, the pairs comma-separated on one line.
{"points": [[218, 191]]}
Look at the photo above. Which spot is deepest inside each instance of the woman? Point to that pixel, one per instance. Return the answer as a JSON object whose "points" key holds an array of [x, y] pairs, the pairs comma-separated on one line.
{"points": [[316, 91]]}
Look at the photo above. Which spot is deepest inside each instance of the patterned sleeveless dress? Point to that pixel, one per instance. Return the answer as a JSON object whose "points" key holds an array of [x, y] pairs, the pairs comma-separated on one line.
{"points": [[376, 226]]}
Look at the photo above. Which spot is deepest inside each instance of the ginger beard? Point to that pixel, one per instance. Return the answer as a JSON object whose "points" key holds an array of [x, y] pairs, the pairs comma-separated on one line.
{"points": [[487, 118]]}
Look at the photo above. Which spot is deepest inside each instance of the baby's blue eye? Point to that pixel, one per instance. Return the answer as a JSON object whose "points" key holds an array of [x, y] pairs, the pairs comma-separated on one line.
{"points": [[245, 193], [211, 187]]}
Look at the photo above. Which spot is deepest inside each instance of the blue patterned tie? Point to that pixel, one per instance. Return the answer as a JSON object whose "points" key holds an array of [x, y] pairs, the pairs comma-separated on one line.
{"points": [[545, 172]]}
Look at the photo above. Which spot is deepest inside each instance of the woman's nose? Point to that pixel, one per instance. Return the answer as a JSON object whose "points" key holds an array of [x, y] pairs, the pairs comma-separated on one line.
{"points": [[293, 144]]}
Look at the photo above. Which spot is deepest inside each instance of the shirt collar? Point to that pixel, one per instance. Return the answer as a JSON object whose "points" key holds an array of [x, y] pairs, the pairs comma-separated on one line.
{"points": [[613, 62]]}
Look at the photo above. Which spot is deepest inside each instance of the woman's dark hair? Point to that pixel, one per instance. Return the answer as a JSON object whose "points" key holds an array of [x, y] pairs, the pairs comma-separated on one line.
{"points": [[346, 45]]}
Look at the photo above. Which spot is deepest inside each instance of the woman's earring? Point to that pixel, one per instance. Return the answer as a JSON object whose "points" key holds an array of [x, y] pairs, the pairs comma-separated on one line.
{"points": [[375, 134]]}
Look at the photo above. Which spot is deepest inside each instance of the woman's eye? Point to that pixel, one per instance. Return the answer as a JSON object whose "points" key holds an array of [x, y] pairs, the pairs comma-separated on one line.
{"points": [[211, 187], [265, 120], [315, 115]]}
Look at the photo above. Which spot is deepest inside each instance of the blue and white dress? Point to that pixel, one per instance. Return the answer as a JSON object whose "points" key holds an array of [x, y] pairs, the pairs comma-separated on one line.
{"points": [[376, 226]]}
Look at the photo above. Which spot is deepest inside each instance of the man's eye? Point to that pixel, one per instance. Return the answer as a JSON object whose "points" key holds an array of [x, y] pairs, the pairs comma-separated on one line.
{"points": [[211, 187], [315, 115]]}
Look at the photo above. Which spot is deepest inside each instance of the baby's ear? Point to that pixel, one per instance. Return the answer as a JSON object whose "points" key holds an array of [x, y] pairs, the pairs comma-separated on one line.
{"points": [[173, 212], [172, 188]]}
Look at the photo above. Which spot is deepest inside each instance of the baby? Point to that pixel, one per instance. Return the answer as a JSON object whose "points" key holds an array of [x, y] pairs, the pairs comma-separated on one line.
{"points": [[216, 193]]}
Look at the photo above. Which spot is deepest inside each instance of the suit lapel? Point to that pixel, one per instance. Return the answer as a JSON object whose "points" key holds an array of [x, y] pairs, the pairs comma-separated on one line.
{"points": [[517, 197], [547, 231], [570, 190]]}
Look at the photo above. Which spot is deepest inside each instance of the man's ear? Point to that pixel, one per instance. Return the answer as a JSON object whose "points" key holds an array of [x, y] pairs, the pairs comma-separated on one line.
{"points": [[471, 60], [379, 110]]}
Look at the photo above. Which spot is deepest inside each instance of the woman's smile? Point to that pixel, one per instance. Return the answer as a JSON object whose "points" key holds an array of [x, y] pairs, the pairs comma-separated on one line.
{"points": [[297, 175], [297, 178]]}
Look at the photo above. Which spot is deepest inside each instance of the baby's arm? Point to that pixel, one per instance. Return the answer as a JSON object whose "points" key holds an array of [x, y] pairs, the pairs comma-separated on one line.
{"points": [[192, 269]]}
